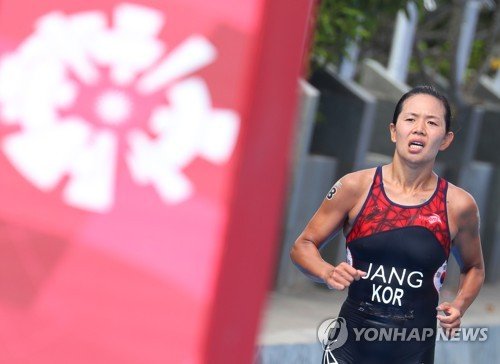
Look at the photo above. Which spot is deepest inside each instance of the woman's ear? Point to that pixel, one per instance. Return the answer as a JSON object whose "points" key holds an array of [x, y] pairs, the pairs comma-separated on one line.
{"points": [[392, 129], [448, 138]]}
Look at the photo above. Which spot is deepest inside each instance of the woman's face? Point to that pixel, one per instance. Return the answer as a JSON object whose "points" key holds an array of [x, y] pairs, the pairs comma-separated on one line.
{"points": [[420, 130]]}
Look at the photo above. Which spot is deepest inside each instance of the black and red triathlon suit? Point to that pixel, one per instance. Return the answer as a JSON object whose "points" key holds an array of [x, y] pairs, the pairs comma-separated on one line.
{"points": [[404, 250]]}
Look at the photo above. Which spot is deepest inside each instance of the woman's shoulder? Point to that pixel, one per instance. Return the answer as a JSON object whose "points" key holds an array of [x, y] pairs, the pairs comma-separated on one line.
{"points": [[460, 201], [459, 195], [358, 181]]}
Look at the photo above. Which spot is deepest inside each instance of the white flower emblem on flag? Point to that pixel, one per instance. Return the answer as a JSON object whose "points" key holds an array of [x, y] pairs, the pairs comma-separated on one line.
{"points": [[44, 80]]}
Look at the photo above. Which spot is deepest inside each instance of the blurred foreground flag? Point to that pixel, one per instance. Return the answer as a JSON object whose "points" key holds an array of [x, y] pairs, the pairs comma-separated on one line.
{"points": [[143, 156]]}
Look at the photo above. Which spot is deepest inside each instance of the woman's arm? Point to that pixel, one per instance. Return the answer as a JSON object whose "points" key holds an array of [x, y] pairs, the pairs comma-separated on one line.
{"points": [[467, 244], [327, 221]]}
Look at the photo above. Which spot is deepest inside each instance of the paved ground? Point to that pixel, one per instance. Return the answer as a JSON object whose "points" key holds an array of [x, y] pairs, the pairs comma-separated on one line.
{"points": [[292, 317]]}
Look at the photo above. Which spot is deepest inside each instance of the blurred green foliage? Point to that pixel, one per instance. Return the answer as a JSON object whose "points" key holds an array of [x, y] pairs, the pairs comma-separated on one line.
{"points": [[342, 21], [371, 24]]}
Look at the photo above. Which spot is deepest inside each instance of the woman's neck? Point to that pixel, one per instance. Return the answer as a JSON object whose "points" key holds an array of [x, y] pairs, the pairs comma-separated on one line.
{"points": [[410, 178]]}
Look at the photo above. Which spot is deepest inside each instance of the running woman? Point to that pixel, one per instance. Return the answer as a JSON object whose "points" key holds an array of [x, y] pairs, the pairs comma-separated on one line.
{"points": [[400, 221]]}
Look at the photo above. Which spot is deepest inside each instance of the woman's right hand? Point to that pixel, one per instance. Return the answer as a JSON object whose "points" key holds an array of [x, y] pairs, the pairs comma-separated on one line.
{"points": [[342, 276]]}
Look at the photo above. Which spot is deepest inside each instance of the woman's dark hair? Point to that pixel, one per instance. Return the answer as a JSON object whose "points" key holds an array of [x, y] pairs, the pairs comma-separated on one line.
{"points": [[426, 90]]}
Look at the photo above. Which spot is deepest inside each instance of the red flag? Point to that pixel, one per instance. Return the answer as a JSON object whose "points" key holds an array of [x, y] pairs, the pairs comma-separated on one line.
{"points": [[123, 130]]}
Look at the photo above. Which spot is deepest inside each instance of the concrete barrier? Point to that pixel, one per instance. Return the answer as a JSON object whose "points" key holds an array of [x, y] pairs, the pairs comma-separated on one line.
{"points": [[316, 178], [345, 120]]}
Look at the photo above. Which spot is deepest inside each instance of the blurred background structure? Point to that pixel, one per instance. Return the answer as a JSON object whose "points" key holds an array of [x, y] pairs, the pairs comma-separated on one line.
{"points": [[366, 54]]}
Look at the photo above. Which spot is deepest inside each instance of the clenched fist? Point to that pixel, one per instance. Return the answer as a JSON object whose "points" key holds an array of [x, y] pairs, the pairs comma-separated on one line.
{"points": [[342, 276]]}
